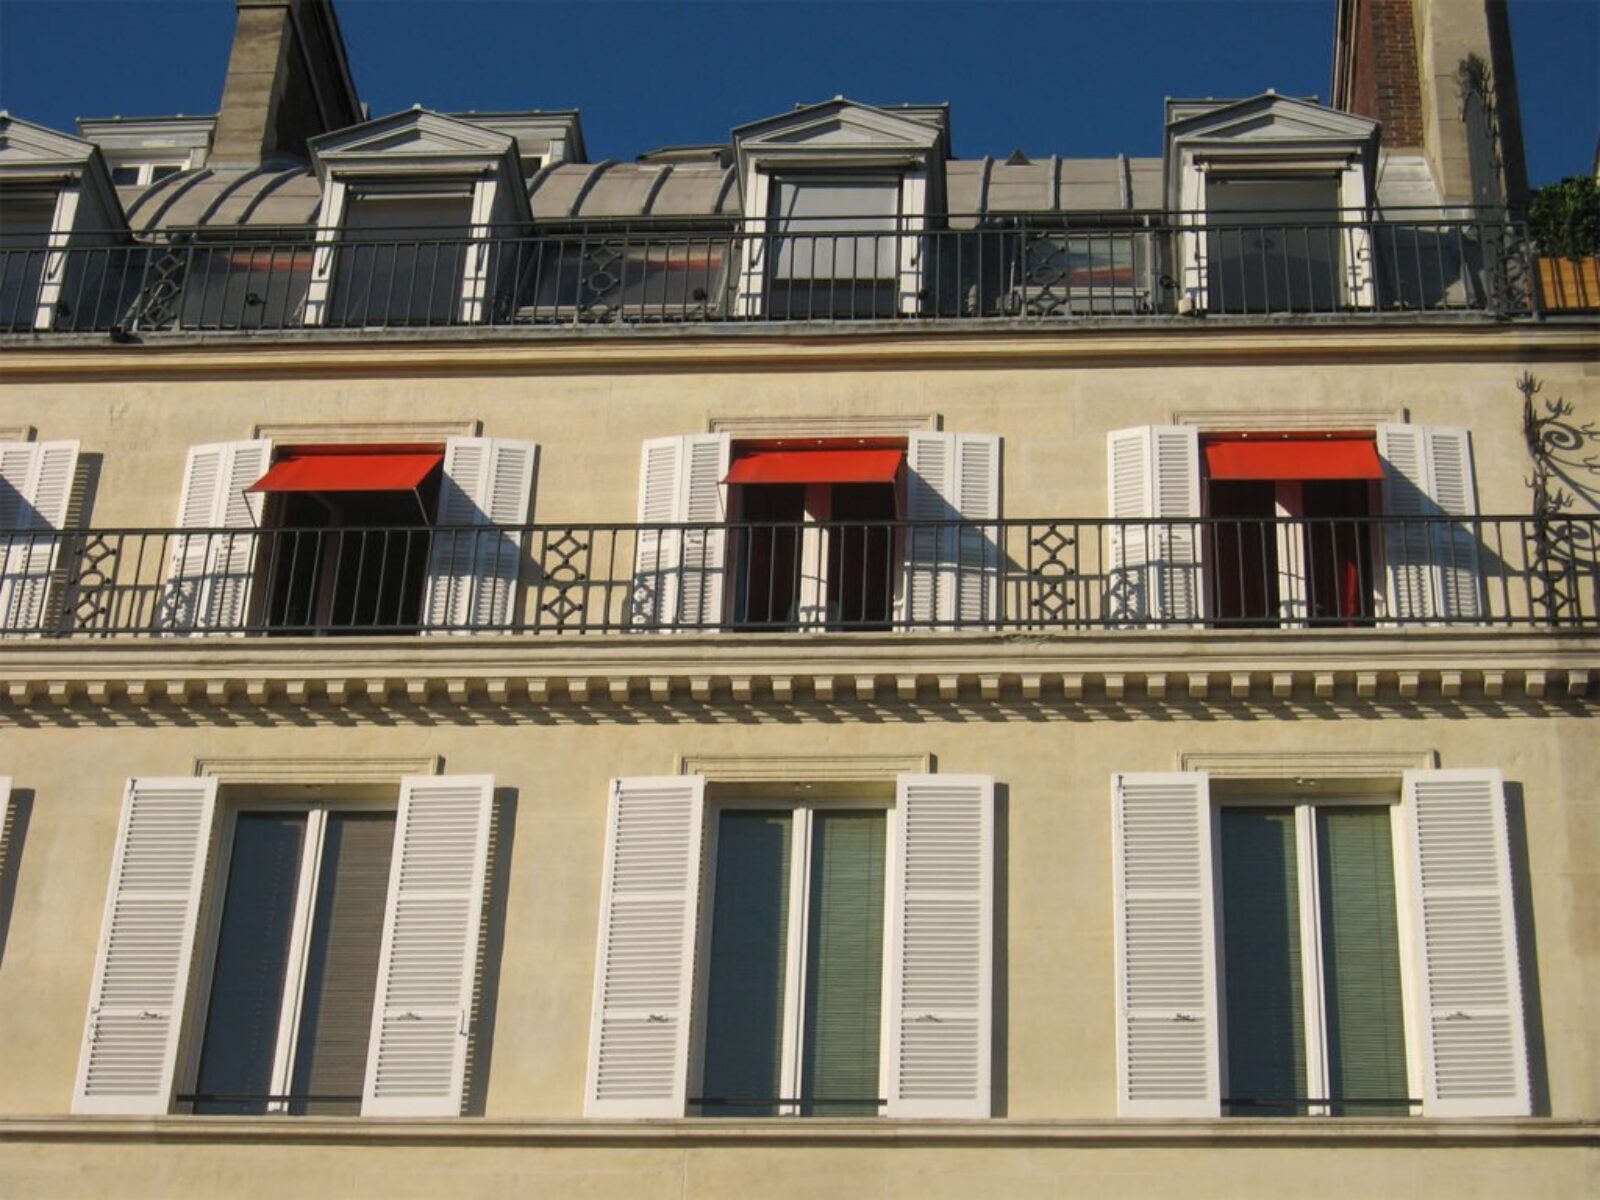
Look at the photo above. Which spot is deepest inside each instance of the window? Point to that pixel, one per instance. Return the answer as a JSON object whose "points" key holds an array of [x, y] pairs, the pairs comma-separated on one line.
{"points": [[402, 259], [1311, 961], [142, 174], [1275, 245], [837, 246], [26, 219], [295, 963]]}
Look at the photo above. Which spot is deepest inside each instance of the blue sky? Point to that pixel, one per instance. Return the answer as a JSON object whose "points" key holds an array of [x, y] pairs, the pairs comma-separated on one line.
{"points": [[1072, 77]]}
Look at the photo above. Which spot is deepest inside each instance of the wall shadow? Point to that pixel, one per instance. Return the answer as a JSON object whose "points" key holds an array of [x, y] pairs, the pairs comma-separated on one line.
{"points": [[12, 837], [491, 948], [1527, 949]]}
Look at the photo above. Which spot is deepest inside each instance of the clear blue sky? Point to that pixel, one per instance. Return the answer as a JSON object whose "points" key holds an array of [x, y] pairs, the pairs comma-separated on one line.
{"points": [[1073, 77]]}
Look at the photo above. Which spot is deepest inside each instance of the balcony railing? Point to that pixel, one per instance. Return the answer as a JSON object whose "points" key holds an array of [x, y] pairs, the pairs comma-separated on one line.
{"points": [[1053, 575], [1023, 268]]}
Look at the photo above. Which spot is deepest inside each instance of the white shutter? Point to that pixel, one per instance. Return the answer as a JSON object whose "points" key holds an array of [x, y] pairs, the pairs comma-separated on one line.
{"points": [[36, 481], [952, 571], [1153, 474], [1167, 1013], [1432, 566], [141, 973], [644, 964], [1464, 937], [678, 574], [473, 570], [417, 1054], [941, 947], [210, 576]]}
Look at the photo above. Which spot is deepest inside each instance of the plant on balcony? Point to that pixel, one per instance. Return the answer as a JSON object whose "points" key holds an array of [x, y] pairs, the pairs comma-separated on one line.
{"points": [[1564, 219]]}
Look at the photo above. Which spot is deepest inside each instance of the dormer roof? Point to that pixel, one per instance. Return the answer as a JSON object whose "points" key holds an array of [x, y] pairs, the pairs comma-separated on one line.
{"points": [[32, 153]]}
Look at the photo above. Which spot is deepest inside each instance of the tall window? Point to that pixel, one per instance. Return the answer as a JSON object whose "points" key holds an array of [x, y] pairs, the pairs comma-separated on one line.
{"points": [[1315, 1021], [837, 249], [794, 984], [26, 219], [295, 965], [402, 259], [1275, 245]]}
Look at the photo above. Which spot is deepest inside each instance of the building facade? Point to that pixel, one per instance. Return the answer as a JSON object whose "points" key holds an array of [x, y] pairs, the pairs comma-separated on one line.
{"points": [[806, 664]]}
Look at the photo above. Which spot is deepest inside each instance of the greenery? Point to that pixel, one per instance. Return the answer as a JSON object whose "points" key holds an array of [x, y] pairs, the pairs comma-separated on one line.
{"points": [[1564, 217]]}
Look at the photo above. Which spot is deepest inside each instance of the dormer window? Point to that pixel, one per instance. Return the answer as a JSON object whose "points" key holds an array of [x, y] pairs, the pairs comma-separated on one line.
{"points": [[143, 174], [836, 252], [402, 258]]}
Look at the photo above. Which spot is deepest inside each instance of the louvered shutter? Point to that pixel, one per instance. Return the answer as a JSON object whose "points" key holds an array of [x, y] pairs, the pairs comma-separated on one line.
{"points": [[142, 967], [1432, 566], [417, 1054], [644, 964], [211, 571], [1167, 1014], [952, 569], [1153, 482], [474, 567], [1464, 937], [941, 947], [678, 574], [36, 481]]}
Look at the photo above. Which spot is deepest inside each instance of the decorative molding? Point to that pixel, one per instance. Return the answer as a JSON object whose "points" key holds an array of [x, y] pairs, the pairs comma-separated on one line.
{"points": [[1308, 764], [803, 768], [371, 432], [16, 433], [1278, 419], [836, 426], [315, 770]]}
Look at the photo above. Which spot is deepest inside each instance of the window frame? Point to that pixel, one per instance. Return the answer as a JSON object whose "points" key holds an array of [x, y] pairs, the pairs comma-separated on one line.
{"points": [[209, 930], [858, 797], [1312, 969]]}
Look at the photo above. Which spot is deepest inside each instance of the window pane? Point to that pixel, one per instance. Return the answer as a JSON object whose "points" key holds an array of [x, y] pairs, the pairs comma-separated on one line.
{"points": [[1261, 962], [25, 223], [844, 963], [252, 958], [749, 942], [1361, 953], [342, 963], [818, 213], [401, 260]]}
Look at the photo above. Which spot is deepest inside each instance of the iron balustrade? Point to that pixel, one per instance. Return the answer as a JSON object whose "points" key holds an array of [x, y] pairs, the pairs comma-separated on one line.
{"points": [[1044, 575], [1025, 267]]}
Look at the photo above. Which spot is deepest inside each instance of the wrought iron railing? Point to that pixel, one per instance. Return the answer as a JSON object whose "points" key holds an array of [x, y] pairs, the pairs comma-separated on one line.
{"points": [[1022, 267], [1032, 575]]}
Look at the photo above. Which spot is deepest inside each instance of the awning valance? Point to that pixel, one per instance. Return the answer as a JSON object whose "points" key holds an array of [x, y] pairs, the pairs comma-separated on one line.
{"points": [[1293, 458], [816, 466], [350, 470]]}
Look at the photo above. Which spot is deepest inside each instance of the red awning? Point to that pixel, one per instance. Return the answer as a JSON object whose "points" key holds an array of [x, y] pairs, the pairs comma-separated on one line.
{"points": [[816, 466], [349, 471], [1293, 458]]}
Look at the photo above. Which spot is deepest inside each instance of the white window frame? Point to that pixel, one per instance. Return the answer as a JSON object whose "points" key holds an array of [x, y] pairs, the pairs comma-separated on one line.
{"points": [[793, 1050], [300, 936], [1313, 998], [146, 168]]}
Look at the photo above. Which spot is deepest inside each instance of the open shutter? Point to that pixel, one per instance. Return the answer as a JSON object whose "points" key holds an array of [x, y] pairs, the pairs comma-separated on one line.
{"points": [[952, 570], [417, 1054], [1153, 482], [1167, 1015], [211, 571], [36, 481], [644, 964], [1474, 1038], [1432, 566], [474, 567], [678, 574], [142, 967], [941, 947]]}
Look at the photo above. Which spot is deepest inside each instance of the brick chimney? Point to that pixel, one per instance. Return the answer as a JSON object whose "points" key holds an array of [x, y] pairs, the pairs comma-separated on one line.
{"points": [[288, 80]]}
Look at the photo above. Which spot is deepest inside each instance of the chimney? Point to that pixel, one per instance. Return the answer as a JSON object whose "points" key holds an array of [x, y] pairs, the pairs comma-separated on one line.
{"points": [[1438, 75], [288, 80]]}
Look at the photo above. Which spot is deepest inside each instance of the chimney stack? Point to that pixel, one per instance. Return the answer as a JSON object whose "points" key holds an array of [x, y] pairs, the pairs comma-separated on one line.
{"points": [[288, 80]]}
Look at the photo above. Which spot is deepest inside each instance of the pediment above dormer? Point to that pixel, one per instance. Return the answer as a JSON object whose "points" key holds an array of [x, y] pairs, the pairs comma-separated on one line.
{"points": [[843, 125], [1266, 118], [414, 139], [22, 143], [33, 154]]}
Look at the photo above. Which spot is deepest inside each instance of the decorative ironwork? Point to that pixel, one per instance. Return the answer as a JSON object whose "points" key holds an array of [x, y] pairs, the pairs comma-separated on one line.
{"points": [[1052, 576], [156, 306], [562, 582], [1560, 551]]}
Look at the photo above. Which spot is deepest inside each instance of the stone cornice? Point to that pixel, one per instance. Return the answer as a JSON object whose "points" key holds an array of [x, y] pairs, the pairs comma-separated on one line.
{"points": [[1108, 668], [1282, 1132], [739, 347]]}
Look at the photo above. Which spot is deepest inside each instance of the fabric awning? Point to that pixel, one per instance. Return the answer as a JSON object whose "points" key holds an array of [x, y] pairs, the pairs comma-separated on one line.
{"points": [[1293, 458], [816, 466], [349, 471]]}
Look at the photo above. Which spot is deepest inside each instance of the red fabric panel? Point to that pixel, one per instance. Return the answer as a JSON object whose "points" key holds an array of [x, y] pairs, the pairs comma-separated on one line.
{"points": [[816, 466], [354, 472], [1294, 458]]}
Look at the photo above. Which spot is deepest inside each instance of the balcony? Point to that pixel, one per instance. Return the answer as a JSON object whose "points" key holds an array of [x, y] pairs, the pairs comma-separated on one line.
{"points": [[1044, 577], [1024, 270]]}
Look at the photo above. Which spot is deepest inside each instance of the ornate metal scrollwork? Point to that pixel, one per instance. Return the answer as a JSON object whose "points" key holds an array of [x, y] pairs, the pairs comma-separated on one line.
{"points": [[563, 583], [156, 306], [1053, 576], [1560, 552]]}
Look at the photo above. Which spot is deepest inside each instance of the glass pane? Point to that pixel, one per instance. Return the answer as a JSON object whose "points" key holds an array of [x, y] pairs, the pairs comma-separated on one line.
{"points": [[1274, 245], [844, 964], [749, 942], [401, 260], [25, 223], [1361, 960], [252, 959], [342, 964], [1261, 963]]}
